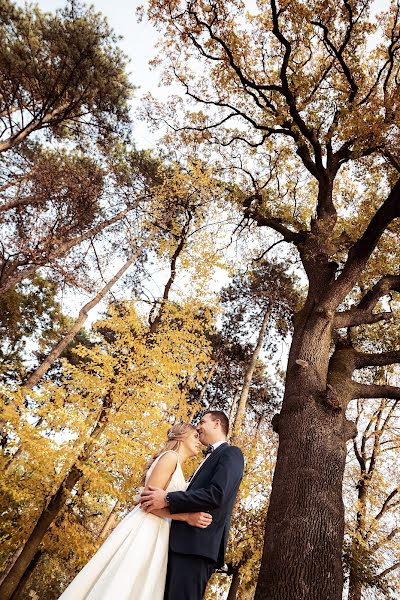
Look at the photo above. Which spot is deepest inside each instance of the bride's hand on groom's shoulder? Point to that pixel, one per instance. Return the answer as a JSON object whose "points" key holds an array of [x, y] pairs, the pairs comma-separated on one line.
{"points": [[199, 519]]}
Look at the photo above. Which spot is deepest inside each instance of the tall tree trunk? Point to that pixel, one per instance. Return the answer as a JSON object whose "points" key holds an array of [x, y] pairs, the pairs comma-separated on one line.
{"points": [[21, 586], [36, 376], [355, 588], [234, 587], [110, 522], [249, 376], [49, 513], [10, 564], [305, 521], [52, 509], [232, 412]]}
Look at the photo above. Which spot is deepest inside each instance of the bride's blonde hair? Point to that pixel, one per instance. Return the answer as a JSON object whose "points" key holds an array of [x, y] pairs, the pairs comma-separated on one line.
{"points": [[175, 435]]}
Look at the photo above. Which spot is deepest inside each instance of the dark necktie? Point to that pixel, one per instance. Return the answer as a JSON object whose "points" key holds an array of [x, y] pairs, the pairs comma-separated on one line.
{"points": [[208, 450]]}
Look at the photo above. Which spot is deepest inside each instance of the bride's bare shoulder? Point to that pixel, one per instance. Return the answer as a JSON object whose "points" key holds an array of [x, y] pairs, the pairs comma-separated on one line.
{"points": [[163, 470]]}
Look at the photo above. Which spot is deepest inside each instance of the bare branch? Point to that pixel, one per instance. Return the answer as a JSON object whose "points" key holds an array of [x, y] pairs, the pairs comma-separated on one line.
{"points": [[385, 540], [361, 390], [379, 359], [254, 213], [308, 132], [353, 318], [385, 505], [338, 52], [388, 570]]}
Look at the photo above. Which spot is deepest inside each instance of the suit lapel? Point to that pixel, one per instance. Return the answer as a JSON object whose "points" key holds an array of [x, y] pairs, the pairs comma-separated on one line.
{"points": [[209, 461]]}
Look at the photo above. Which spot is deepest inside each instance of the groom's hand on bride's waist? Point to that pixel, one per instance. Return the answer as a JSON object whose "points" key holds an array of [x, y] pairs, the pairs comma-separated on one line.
{"points": [[153, 499]]}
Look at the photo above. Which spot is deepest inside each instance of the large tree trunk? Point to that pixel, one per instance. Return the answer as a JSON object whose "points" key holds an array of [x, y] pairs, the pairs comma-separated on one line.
{"points": [[21, 586], [305, 522]]}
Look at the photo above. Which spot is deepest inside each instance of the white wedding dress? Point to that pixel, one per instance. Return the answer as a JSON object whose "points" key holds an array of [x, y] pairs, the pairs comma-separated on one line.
{"points": [[132, 562]]}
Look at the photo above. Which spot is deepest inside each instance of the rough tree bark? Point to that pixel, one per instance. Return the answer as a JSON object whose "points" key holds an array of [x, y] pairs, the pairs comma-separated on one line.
{"points": [[306, 507]]}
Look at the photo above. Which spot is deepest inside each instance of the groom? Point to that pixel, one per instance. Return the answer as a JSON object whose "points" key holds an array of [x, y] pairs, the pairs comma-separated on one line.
{"points": [[194, 553]]}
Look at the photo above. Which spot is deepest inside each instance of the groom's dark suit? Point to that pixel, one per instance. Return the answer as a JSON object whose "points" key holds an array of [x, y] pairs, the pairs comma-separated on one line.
{"points": [[194, 552]]}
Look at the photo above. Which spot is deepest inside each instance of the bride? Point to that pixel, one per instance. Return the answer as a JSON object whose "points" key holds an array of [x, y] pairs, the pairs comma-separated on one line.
{"points": [[132, 562]]}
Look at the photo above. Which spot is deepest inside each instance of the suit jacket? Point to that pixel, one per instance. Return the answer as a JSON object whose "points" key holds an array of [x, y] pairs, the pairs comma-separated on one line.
{"points": [[213, 489]]}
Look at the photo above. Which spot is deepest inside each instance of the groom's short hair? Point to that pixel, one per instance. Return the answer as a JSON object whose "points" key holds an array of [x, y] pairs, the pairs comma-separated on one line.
{"points": [[219, 415]]}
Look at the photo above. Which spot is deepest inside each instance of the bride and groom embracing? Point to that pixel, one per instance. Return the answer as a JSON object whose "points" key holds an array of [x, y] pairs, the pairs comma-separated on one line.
{"points": [[168, 546]]}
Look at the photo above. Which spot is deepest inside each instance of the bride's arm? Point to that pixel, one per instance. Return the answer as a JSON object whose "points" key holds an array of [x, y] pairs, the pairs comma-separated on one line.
{"points": [[196, 519]]}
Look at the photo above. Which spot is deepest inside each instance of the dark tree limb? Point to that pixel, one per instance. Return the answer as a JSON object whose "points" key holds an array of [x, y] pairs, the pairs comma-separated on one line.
{"points": [[378, 359], [353, 318], [338, 52], [386, 505], [388, 570], [361, 251], [388, 283], [256, 215], [361, 390]]}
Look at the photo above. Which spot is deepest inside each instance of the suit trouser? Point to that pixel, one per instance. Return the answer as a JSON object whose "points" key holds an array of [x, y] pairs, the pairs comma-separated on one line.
{"points": [[187, 576]]}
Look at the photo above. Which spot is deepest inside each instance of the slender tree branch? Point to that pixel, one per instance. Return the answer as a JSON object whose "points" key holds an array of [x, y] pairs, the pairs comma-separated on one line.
{"points": [[385, 505], [388, 570], [255, 214], [385, 540]]}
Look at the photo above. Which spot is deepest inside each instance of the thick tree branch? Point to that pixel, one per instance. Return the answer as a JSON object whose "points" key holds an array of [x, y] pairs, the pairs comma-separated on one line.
{"points": [[362, 314], [388, 283], [361, 390], [361, 251], [253, 213], [353, 318], [379, 359]]}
